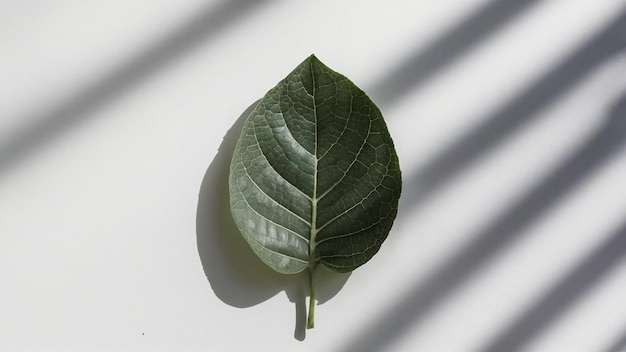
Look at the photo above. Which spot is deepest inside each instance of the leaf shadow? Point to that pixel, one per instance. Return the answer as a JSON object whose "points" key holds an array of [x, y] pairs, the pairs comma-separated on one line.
{"points": [[236, 275], [609, 140], [514, 115], [573, 287], [423, 64], [424, 297], [202, 28], [618, 345]]}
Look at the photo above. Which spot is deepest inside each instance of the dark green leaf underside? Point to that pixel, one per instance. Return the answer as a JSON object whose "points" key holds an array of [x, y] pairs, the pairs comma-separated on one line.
{"points": [[315, 177]]}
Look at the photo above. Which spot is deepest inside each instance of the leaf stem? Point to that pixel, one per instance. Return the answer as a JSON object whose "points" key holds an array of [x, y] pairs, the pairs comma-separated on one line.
{"points": [[310, 324]]}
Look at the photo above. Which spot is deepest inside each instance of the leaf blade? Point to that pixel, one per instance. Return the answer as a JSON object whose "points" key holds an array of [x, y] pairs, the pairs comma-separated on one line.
{"points": [[315, 177]]}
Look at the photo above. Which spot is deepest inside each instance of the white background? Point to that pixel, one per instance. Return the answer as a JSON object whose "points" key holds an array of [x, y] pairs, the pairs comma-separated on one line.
{"points": [[118, 118]]}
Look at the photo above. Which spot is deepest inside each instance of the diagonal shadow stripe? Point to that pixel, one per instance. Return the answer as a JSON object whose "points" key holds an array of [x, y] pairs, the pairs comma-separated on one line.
{"points": [[424, 297], [199, 30], [563, 295], [618, 345], [512, 116], [424, 64]]}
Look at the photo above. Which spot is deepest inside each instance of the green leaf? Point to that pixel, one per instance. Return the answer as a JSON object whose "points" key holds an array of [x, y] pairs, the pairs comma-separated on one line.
{"points": [[314, 178]]}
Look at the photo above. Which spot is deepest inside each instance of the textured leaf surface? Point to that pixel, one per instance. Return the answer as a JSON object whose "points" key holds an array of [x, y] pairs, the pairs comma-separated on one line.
{"points": [[314, 177]]}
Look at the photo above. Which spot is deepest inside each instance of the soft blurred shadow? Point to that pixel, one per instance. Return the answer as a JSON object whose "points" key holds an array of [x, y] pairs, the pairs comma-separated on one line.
{"points": [[619, 345], [563, 295], [514, 115], [237, 276], [206, 25], [451, 46], [585, 276], [425, 296]]}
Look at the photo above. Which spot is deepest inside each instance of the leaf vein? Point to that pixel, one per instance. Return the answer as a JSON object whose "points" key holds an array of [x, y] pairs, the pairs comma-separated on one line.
{"points": [[356, 157], [275, 201], [276, 252], [275, 223], [272, 166], [375, 189], [350, 233]]}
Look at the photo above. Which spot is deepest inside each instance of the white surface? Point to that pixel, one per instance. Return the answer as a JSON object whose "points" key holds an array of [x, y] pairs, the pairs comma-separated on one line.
{"points": [[111, 112]]}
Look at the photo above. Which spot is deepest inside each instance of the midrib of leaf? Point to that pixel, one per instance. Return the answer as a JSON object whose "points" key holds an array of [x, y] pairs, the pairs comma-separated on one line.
{"points": [[314, 199]]}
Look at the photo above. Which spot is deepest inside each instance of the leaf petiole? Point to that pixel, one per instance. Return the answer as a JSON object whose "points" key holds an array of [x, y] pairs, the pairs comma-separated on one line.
{"points": [[310, 324]]}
